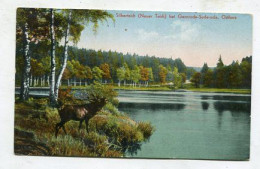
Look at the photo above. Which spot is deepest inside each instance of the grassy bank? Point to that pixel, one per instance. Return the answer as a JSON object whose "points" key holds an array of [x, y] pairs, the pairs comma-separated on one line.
{"points": [[188, 87], [152, 88], [216, 90], [111, 132], [149, 88]]}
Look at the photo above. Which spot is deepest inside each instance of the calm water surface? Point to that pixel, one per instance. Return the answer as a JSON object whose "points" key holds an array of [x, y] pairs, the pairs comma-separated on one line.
{"points": [[191, 124]]}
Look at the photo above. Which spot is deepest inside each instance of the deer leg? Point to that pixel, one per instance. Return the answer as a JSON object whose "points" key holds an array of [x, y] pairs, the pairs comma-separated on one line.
{"points": [[86, 122], [58, 126], [80, 124], [63, 127], [57, 129]]}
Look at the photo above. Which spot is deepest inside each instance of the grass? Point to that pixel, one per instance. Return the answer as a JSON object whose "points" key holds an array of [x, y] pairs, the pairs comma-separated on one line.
{"points": [[112, 133], [217, 90], [149, 88], [152, 88], [188, 87]]}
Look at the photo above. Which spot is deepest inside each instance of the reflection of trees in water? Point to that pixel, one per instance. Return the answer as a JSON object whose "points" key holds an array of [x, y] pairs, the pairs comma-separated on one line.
{"points": [[204, 97], [236, 109], [232, 98], [149, 95], [152, 106], [232, 107], [205, 105]]}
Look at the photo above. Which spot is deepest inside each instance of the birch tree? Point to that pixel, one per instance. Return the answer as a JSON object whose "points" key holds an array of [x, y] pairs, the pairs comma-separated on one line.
{"points": [[53, 63], [177, 78], [76, 19], [30, 29], [27, 64], [120, 72]]}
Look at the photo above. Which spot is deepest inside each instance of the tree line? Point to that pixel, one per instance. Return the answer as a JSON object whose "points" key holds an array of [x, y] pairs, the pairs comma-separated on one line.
{"points": [[235, 75], [84, 66]]}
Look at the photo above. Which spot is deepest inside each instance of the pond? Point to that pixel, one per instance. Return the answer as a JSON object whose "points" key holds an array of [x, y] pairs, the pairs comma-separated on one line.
{"points": [[191, 125]]}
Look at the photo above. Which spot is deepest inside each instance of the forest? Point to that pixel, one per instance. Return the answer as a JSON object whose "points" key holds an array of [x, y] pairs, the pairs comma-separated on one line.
{"points": [[85, 66]]}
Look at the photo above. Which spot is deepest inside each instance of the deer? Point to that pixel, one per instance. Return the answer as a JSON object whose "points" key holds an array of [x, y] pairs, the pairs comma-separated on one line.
{"points": [[80, 113]]}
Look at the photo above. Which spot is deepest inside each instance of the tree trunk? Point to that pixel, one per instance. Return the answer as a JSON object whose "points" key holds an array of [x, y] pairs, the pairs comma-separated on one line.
{"points": [[48, 80], [25, 86], [43, 80], [68, 82], [79, 82], [65, 57], [31, 80], [36, 81], [53, 99]]}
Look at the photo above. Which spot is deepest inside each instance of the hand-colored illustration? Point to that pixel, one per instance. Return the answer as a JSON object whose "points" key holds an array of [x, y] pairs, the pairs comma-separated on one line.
{"points": [[132, 84]]}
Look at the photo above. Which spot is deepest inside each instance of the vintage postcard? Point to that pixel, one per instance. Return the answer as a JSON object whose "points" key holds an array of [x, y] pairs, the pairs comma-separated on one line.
{"points": [[133, 84]]}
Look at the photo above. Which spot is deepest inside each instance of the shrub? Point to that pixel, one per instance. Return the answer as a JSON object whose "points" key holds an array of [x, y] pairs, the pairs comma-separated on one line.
{"points": [[146, 128], [68, 146], [112, 109]]}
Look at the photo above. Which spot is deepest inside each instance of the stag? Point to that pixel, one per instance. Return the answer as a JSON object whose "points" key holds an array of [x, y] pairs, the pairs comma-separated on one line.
{"points": [[80, 112]]}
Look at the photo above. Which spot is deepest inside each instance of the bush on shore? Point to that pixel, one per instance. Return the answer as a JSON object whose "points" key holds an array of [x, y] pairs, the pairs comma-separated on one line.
{"points": [[112, 133]]}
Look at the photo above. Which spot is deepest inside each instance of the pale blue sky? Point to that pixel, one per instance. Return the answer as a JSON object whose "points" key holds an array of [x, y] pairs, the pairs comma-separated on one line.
{"points": [[195, 41]]}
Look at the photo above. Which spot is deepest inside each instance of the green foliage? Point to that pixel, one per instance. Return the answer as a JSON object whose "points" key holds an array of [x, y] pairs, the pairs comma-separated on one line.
{"points": [[208, 78], [146, 128], [120, 73], [97, 73], [190, 72], [196, 79], [111, 109], [123, 133], [177, 78], [234, 75], [135, 74], [98, 91], [217, 90], [150, 72], [67, 146]]}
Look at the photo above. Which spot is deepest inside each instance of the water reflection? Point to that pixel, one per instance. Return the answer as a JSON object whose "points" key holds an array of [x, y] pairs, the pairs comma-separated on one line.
{"points": [[235, 108], [205, 105], [213, 126], [232, 98], [204, 97], [232, 107], [152, 106]]}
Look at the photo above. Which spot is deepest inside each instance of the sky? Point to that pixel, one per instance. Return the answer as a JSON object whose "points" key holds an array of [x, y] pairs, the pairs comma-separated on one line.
{"points": [[195, 41]]}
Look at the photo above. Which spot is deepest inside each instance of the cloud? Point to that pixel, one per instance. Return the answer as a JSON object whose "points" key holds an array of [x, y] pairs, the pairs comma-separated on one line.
{"points": [[147, 35], [184, 31]]}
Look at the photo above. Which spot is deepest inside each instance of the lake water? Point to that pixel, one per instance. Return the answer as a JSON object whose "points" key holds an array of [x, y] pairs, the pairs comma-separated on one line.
{"points": [[191, 125]]}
